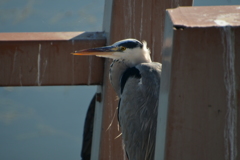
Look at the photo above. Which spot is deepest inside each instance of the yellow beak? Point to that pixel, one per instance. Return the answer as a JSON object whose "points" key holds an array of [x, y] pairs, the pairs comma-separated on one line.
{"points": [[101, 51]]}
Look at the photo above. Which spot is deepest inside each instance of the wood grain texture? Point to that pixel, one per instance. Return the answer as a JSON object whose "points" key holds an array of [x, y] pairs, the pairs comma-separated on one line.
{"points": [[139, 19], [201, 95], [31, 59]]}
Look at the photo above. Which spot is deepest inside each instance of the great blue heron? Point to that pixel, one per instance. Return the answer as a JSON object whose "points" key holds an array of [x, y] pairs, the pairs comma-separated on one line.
{"points": [[136, 80]]}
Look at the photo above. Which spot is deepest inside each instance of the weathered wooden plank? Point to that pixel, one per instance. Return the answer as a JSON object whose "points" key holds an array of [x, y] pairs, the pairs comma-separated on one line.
{"points": [[208, 16], [30, 59], [199, 99], [51, 36]]}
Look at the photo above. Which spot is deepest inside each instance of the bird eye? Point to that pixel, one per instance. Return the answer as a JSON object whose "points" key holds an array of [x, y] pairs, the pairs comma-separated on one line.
{"points": [[123, 48]]}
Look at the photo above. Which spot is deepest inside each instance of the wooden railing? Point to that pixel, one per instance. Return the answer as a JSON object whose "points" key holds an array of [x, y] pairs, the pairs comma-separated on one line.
{"points": [[194, 102], [36, 59]]}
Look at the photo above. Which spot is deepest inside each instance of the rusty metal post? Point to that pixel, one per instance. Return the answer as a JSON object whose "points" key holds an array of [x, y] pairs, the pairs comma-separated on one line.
{"points": [[199, 98]]}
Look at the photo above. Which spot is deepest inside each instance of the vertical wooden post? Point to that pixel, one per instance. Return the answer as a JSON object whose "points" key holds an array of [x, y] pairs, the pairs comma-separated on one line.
{"points": [[140, 19], [198, 114]]}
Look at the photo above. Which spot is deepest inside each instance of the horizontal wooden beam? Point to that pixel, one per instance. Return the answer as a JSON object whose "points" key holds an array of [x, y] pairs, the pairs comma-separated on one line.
{"points": [[32, 59]]}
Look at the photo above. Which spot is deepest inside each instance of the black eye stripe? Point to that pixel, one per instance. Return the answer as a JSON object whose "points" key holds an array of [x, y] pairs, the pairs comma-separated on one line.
{"points": [[131, 44]]}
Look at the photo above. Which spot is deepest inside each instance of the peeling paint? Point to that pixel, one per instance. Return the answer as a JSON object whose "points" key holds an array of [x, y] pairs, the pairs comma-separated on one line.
{"points": [[14, 63], [129, 27], [153, 47], [230, 130], [141, 25], [227, 19], [134, 18], [44, 69], [221, 22], [39, 66]]}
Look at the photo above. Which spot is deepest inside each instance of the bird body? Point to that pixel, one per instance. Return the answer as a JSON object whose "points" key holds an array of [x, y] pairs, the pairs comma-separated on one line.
{"points": [[136, 80], [138, 112]]}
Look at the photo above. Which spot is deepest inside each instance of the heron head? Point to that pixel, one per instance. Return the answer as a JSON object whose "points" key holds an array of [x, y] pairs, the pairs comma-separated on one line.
{"points": [[127, 49]]}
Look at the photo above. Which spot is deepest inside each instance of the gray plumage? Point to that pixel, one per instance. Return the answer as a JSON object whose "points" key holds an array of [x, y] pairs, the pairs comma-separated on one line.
{"points": [[138, 112], [136, 80]]}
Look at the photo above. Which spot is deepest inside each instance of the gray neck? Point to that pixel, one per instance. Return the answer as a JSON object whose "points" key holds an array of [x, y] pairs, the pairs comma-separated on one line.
{"points": [[117, 68]]}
